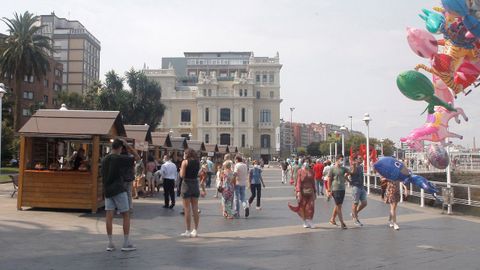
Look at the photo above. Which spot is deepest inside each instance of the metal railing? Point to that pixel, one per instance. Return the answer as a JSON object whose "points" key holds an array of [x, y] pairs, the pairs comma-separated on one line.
{"points": [[464, 194]]}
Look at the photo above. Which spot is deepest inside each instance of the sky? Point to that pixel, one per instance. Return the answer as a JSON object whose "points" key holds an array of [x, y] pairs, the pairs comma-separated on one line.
{"points": [[340, 58]]}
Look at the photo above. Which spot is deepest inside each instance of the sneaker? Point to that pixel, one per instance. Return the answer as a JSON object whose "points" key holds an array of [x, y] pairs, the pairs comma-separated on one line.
{"points": [[258, 208], [110, 247], [193, 233], [310, 224], [357, 223], [390, 224], [171, 206], [396, 227], [305, 224], [187, 233], [129, 247], [247, 212], [165, 206]]}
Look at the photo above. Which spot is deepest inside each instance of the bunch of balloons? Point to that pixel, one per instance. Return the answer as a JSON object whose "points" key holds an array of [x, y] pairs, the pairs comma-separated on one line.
{"points": [[454, 67]]}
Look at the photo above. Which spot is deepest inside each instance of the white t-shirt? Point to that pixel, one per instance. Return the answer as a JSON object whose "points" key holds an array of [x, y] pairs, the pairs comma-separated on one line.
{"points": [[241, 171]]}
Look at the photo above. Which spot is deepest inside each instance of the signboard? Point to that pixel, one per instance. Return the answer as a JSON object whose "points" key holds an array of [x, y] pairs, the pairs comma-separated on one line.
{"points": [[211, 154]]}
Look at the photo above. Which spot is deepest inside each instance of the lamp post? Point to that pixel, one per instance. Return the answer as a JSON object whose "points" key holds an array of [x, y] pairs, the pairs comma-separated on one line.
{"points": [[367, 119], [343, 129], [381, 145], [336, 132], [190, 136], [291, 129], [2, 93], [351, 122]]}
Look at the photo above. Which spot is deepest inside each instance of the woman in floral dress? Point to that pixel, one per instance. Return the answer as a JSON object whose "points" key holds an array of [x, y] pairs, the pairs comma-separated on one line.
{"points": [[228, 190], [392, 197]]}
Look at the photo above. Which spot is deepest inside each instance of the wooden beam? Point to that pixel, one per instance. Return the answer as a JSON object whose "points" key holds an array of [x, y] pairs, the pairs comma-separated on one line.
{"points": [[94, 170], [21, 170]]}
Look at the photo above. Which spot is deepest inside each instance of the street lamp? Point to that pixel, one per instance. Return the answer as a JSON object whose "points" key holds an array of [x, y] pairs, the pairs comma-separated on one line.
{"points": [[351, 122], [367, 119], [336, 132], [2, 93], [343, 129], [381, 145], [291, 129]]}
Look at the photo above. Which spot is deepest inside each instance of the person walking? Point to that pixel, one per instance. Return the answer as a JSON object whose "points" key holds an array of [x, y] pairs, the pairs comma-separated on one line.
{"points": [[392, 197], [227, 190], [336, 179], [190, 191], [305, 192], [284, 165], [114, 190], [318, 169], [359, 194], [210, 171], [241, 182], [218, 179], [168, 172], [150, 170], [256, 183], [326, 170]]}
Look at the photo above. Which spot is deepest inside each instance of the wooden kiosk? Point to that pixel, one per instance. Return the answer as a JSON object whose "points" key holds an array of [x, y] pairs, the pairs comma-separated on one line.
{"points": [[140, 134], [197, 146], [160, 143], [49, 142]]}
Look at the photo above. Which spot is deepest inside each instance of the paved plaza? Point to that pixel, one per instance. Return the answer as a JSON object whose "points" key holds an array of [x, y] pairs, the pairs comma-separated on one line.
{"points": [[272, 238]]}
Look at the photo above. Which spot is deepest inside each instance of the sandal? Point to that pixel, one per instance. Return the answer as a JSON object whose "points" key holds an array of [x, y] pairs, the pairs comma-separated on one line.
{"points": [[333, 222], [344, 227]]}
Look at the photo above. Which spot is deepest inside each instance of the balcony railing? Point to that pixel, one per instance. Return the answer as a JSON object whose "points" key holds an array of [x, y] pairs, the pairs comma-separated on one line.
{"points": [[265, 125], [225, 123], [185, 124]]}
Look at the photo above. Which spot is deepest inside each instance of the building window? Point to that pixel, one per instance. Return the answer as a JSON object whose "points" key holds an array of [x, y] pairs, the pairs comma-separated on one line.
{"points": [[244, 114], [56, 87], [27, 95], [265, 141], [258, 94], [225, 114], [265, 116], [26, 112], [225, 139], [185, 116], [257, 78], [45, 83], [45, 99], [207, 115], [241, 92], [271, 94], [271, 78], [244, 137], [209, 92], [264, 78], [204, 92], [207, 138], [245, 92]]}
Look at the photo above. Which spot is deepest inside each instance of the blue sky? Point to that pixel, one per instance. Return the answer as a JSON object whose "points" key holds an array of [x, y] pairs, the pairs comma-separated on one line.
{"points": [[339, 58]]}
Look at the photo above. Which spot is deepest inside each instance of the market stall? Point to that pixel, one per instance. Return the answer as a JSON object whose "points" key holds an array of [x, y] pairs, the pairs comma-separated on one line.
{"points": [[160, 144], [60, 158]]}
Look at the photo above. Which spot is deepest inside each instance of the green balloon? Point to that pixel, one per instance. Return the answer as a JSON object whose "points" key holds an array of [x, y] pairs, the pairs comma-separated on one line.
{"points": [[417, 86]]}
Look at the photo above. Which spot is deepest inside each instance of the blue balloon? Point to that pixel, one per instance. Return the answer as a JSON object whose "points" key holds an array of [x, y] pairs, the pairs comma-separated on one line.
{"points": [[391, 169], [472, 24], [457, 6], [422, 183]]}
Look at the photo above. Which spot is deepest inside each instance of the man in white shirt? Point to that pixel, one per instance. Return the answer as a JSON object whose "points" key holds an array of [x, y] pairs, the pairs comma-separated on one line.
{"points": [[241, 176], [168, 172]]}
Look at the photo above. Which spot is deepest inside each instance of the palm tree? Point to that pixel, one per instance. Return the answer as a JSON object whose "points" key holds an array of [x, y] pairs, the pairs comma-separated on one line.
{"points": [[24, 53]]}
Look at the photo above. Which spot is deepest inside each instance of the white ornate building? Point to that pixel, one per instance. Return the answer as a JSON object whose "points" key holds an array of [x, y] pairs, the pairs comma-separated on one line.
{"points": [[224, 98]]}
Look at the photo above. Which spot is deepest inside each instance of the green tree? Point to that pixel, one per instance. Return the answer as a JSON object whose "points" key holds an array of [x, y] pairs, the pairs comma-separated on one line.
{"points": [[24, 53], [73, 100], [301, 151], [313, 149]]}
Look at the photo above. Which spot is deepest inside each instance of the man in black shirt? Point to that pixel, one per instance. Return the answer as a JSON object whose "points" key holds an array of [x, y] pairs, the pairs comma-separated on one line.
{"points": [[116, 197]]}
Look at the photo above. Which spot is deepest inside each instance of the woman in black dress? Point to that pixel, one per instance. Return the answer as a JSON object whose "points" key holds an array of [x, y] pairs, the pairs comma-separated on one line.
{"points": [[190, 191]]}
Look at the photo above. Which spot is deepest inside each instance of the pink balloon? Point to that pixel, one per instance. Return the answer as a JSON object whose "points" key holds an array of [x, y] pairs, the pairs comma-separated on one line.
{"points": [[466, 74], [422, 42], [442, 91]]}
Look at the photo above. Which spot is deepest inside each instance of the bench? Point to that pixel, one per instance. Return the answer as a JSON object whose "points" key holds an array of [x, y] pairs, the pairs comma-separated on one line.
{"points": [[14, 178]]}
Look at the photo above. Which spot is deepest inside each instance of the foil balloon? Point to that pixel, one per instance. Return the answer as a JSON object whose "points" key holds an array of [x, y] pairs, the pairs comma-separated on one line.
{"points": [[435, 128], [441, 90], [466, 74], [391, 168], [395, 170], [422, 42], [438, 156], [433, 20], [417, 86], [422, 183]]}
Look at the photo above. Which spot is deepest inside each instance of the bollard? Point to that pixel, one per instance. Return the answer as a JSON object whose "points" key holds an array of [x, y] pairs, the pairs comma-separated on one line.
{"points": [[422, 198]]}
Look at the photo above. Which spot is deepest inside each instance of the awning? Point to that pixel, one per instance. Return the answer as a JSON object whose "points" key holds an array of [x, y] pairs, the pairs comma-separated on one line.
{"points": [[161, 139], [140, 134], [196, 145]]}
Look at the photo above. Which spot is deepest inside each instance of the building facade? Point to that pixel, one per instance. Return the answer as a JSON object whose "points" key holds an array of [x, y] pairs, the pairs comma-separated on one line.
{"points": [[76, 48], [37, 92], [230, 98]]}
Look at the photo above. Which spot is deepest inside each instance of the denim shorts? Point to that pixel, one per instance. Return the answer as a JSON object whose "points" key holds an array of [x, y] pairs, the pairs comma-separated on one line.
{"points": [[358, 194], [119, 202]]}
